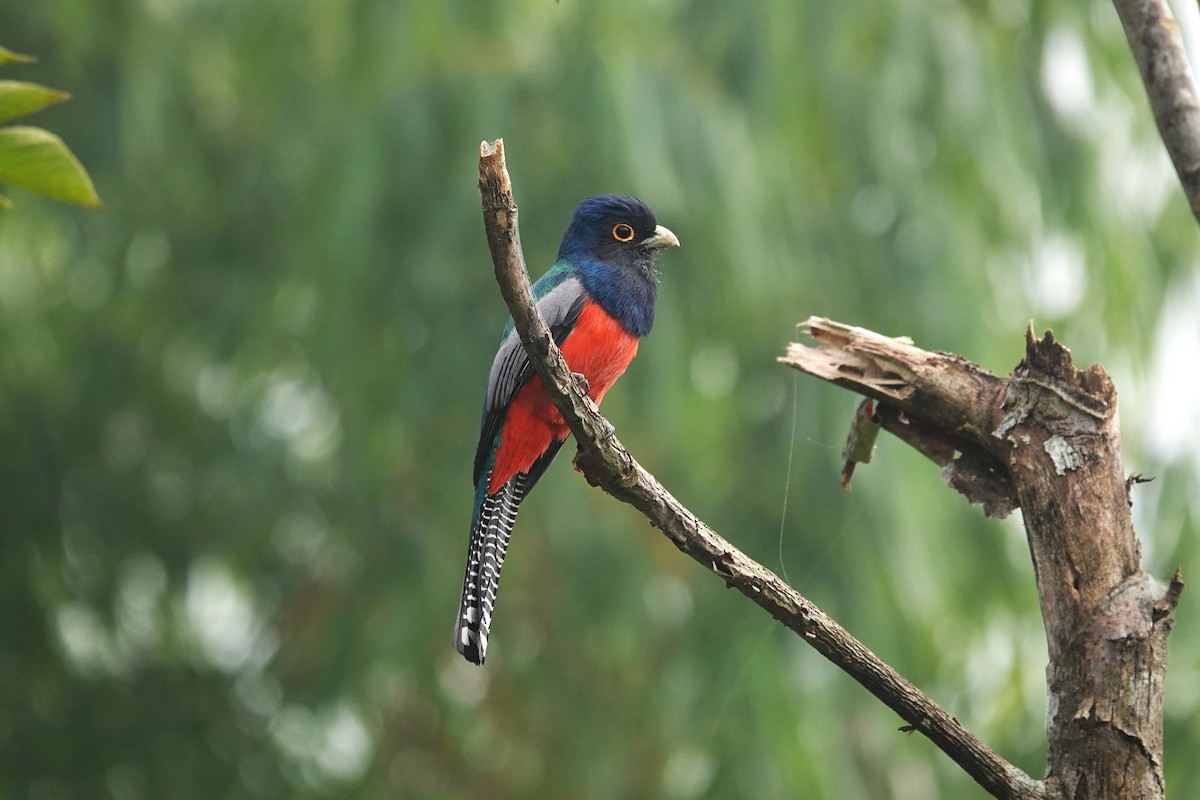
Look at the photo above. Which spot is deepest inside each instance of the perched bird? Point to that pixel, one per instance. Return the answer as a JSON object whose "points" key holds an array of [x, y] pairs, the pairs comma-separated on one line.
{"points": [[597, 300]]}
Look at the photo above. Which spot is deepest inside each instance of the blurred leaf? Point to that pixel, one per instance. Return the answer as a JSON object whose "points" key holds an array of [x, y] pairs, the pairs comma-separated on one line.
{"points": [[37, 160], [8, 56], [18, 98]]}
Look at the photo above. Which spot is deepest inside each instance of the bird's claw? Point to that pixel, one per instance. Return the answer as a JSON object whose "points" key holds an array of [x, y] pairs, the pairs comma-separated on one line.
{"points": [[582, 382], [609, 431]]}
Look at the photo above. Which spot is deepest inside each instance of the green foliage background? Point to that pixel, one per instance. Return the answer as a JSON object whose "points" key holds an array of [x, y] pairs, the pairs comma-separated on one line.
{"points": [[238, 406]]}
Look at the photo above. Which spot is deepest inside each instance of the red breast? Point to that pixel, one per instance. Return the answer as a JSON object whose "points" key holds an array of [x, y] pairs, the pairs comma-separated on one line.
{"points": [[599, 348]]}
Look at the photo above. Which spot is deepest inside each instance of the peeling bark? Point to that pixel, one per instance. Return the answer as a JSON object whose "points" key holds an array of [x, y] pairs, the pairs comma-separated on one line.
{"points": [[1049, 437]]}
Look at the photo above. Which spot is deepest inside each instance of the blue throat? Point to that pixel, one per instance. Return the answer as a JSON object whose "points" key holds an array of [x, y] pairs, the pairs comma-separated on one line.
{"points": [[626, 294]]}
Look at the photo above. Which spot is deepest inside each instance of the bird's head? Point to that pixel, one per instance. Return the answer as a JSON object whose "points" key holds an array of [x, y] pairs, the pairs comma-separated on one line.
{"points": [[617, 231]]}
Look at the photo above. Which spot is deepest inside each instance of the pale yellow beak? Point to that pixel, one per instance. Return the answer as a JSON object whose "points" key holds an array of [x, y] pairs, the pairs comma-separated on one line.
{"points": [[662, 238]]}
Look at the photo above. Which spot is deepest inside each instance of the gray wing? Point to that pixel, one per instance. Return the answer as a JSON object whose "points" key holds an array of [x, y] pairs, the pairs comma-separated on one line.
{"points": [[560, 308]]}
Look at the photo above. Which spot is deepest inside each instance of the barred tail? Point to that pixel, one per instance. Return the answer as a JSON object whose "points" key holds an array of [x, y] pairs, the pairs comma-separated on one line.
{"points": [[490, 532]]}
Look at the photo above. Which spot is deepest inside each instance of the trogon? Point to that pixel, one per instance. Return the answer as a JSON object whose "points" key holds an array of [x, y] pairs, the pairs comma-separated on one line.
{"points": [[598, 301]]}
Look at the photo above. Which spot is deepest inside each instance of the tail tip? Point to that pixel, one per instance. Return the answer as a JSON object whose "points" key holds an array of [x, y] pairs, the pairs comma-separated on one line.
{"points": [[471, 644]]}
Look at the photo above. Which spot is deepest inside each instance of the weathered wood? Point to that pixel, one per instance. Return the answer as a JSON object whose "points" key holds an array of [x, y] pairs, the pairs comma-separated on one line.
{"points": [[1047, 434], [1157, 46]]}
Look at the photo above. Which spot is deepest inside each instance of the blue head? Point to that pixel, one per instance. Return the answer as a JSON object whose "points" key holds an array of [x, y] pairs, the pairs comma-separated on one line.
{"points": [[614, 241]]}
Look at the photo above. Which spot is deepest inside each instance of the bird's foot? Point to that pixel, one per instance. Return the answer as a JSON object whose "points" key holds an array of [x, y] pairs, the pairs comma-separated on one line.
{"points": [[609, 431], [582, 382]]}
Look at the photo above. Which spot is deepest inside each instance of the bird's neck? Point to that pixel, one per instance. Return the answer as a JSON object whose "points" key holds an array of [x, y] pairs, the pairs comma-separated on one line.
{"points": [[626, 293]]}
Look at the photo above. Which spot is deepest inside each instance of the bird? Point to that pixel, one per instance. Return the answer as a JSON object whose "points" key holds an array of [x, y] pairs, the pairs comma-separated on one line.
{"points": [[598, 302]]}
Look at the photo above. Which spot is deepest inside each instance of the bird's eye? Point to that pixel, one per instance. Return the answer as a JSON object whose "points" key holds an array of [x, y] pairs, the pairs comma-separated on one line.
{"points": [[622, 232]]}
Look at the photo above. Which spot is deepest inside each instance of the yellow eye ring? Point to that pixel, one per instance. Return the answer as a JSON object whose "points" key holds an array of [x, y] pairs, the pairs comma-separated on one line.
{"points": [[622, 232]]}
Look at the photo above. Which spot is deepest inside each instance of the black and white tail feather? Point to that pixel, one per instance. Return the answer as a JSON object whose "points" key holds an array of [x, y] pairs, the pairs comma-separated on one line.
{"points": [[491, 531]]}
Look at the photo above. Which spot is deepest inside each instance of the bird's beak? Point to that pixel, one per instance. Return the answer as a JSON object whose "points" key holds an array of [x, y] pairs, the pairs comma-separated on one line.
{"points": [[662, 238]]}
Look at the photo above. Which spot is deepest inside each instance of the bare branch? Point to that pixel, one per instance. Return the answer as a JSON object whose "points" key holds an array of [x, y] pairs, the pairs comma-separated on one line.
{"points": [[606, 463], [1157, 47], [1047, 438]]}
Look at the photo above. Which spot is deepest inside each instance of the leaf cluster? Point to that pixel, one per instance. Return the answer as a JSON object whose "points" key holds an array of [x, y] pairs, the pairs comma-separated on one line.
{"points": [[34, 158]]}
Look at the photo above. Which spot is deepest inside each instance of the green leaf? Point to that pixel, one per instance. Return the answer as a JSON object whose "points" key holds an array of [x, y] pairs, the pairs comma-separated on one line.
{"points": [[18, 98], [37, 160], [7, 56]]}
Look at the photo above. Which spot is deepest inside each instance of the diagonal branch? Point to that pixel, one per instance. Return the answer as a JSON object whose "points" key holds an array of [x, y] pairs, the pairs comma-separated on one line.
{"points": [[1157, 47], [606, 463]]}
